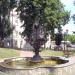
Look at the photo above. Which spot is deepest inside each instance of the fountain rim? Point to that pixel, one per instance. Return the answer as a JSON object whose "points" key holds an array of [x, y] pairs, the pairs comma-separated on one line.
{"points": [[44, 66]]}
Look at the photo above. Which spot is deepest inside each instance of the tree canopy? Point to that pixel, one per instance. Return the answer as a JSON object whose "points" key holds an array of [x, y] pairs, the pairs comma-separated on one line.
{"points": [[50, 12]]}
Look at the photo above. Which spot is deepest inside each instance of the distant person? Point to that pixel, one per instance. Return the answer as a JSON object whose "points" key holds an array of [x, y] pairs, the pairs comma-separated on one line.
{"points": [[58, 39]]}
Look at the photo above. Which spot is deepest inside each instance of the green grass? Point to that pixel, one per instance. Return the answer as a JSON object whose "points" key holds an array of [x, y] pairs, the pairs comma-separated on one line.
{"points": [[6, 53], [73, 53], [51, 53], [51, 74]]}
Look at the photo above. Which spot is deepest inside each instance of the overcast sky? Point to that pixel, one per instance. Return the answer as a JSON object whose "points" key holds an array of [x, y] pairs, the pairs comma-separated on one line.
{"points": [[70, 7]]}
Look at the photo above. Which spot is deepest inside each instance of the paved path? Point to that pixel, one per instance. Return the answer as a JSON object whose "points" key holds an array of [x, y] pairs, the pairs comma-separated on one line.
{"points": [[26, 53]]}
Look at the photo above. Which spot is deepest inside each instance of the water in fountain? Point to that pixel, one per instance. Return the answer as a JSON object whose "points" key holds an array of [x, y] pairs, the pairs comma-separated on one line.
{"points": [[24, 63]]}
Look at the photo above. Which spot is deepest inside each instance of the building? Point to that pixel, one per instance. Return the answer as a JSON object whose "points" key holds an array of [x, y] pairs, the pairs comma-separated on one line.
{"points": [[15, 39]]}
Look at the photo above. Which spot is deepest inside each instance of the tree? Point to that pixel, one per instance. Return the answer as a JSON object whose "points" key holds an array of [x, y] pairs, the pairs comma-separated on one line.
{"points": [[49, 13], [5, 25]]}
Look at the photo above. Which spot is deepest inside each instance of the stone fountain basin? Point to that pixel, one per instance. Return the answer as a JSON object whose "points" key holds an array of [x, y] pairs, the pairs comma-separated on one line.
{"points": [[57, 69], [27, 63]]}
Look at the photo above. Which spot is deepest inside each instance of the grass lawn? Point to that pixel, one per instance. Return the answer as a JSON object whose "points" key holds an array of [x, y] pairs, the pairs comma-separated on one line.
{"points": [[51, 53], [6, 52], [73, 53], [55, 53]]}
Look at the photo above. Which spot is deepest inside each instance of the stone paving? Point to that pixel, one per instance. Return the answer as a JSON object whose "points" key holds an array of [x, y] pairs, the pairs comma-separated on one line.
{"points": [[26, 53]]}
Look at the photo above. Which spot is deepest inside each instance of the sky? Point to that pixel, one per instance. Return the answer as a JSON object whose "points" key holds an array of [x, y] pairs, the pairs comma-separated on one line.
{"points": [[70, 7]]}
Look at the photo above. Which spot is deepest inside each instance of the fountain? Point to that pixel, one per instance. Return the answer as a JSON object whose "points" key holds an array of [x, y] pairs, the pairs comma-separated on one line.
{"points": [[26, 66], [35, 65]]}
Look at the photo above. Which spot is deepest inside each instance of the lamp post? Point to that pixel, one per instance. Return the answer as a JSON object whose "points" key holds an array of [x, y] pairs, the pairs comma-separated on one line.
{"points": [[65, 38], [65, 43]]}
